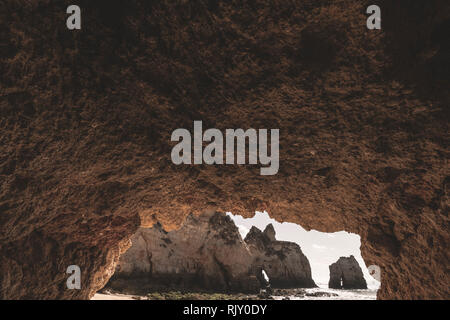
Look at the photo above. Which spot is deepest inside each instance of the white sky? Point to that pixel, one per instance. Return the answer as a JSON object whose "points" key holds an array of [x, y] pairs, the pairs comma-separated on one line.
{"points": [[321, 249]]}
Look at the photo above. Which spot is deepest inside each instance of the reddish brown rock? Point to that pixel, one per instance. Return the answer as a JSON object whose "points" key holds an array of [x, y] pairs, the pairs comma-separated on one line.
{"points": [[86, 119]]}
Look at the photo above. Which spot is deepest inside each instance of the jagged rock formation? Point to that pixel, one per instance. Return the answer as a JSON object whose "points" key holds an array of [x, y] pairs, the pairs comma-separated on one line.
{"points": [[206, 253], [346, 274], [283, 261], [86, 118]]}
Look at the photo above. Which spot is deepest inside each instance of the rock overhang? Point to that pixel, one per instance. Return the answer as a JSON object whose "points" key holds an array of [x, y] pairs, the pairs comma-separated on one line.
{"points": [[362, 153]]}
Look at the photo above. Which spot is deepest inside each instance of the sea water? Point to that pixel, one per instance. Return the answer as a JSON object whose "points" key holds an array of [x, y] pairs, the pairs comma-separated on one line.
{"points": [[360, 294]]}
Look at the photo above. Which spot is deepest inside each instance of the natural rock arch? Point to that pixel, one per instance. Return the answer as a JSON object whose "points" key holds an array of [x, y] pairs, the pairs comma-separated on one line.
{"points": [[282, 261], [86, 119], [346, 273]]}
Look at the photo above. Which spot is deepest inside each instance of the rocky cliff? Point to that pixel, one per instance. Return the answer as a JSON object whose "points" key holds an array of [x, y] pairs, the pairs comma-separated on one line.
{"points": [[284, 262], [206, 254], [346, 274], [86, 119]]}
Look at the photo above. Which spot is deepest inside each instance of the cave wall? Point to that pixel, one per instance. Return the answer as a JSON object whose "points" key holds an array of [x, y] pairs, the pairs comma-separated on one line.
{"points": [[86, 119]]}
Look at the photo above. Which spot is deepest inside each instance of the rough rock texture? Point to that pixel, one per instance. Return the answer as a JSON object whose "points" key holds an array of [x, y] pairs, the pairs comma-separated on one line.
{"points": [[206, 253], [284, 262], [346, 274], [86, 119]]}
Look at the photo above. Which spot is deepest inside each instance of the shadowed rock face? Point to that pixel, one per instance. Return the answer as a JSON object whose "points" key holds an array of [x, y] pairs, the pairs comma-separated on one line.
{"points": [[86, 119], [207, 253], [284, 262], [346, 274]]}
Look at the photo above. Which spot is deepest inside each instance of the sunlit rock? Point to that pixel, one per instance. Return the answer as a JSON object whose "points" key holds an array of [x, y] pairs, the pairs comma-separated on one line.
{"points": [[206, 253]]}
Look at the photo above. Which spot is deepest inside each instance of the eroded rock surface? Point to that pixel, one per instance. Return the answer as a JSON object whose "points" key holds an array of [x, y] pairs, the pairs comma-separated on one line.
{"points": [[206, 253], [283, 261], [346, 274], [86, 118]]}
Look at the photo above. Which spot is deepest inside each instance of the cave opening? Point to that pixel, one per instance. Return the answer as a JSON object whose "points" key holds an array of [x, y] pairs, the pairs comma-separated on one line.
{"points": [[331, 256], [219, 254]]}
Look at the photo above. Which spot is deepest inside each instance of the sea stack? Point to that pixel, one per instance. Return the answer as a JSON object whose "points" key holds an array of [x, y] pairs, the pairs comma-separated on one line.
{"points": [[346, 274], [283, 261]]}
